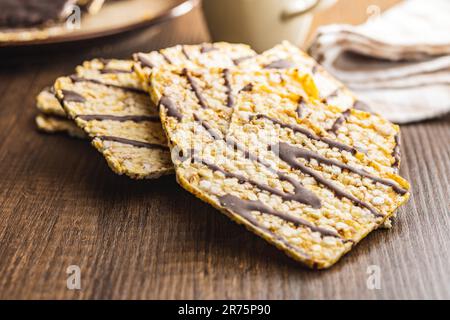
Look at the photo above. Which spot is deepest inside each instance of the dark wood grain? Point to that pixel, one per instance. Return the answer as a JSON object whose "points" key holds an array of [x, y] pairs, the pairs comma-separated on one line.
{"points": [[61, 205]]}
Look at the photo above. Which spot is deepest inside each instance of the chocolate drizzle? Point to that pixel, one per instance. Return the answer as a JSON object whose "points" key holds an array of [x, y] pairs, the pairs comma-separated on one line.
{"points": [[76, 78], [300, 107], [135, 143], [280, 64], [396, 153], [144, 60], [340, 121], [333, 94], [301, 194], [308, 155], [290, 154], [185, 53], [166, 57], [309, 134], [245, 207], [206, 48], [114, 71], [237, 61], [171, 108], [227, 81], [101, 117], [230, 142], [195, 87], [230, 202], [359, 105], [72, 96], [247, 88], [215, 134]]}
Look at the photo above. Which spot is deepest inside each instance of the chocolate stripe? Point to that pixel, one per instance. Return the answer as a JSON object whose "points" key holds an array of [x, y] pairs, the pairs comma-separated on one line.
{"points": [[101, 117], [245, 207], [195, 88], [332, 143], [308, 155], [309, 134], [396, 153], [247, 88], [244, 210], [76, 78], [237, 61], [114, 71], [227, 81], [300, 107], [135, 143], [206, 48], [186, 55], [340, 121], [172, 109], [333, 94], [215, 134], [72, 96], [166, 57], [280, 64], [289, 154], [301, 194]]}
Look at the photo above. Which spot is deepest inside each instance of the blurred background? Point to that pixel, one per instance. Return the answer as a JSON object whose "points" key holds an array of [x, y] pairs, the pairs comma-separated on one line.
{"points": [[95, 19], [393, 54]]}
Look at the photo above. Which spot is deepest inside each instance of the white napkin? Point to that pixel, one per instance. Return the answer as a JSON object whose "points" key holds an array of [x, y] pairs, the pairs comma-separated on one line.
{"points": [[398, 64]]}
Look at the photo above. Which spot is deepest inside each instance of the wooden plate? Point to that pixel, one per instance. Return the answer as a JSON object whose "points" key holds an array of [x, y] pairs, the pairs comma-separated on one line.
{"points": [[115, 17]]}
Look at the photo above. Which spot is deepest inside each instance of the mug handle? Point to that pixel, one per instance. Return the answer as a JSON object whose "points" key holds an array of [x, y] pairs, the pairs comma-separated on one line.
{"points": [[300, 9]]}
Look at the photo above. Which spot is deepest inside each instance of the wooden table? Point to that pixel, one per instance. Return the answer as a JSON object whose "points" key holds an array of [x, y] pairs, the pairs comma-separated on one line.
{"points": [[60, 205]]}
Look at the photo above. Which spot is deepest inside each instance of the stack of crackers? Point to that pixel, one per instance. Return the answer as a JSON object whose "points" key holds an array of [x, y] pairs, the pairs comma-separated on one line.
{"points": [[271, 140]]}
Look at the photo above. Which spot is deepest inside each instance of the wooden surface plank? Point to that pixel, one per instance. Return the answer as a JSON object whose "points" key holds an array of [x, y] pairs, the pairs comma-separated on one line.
{"points": [[60, 205]]}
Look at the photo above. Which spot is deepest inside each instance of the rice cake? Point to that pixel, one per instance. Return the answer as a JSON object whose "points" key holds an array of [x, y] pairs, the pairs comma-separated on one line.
{"points": [[305, 199]]}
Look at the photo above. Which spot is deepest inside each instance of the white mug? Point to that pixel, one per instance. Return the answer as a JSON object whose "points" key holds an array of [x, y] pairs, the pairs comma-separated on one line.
{"points": [[261, 23]]}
